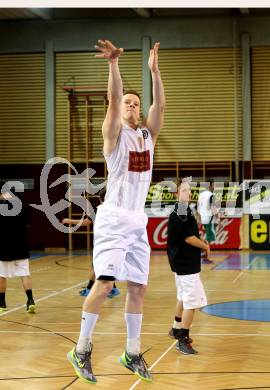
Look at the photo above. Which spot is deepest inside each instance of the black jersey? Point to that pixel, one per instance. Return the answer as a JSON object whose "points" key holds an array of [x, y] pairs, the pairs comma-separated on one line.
{"points": [[14, 234], [184, 259]]}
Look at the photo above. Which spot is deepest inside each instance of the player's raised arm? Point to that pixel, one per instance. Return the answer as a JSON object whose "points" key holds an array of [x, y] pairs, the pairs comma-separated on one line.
{"points": [[154, 120], [112, 122]]}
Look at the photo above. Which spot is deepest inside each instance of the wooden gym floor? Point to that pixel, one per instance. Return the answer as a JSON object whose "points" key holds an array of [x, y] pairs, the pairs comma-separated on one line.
{"points": [[233, 353]]}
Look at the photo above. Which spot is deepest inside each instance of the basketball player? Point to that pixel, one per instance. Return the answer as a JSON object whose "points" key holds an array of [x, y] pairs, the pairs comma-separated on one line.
{"points": [[86, 222], [184, 252], [121, 249], [207, 210], [14, 249]]}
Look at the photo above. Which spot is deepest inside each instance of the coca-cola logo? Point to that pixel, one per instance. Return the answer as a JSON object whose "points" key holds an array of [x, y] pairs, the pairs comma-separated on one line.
{"points": [[161, 233], [222, 234], [227, 233]]}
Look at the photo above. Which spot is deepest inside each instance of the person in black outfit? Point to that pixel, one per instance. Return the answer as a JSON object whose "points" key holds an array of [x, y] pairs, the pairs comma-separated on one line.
{"points": [[14, 250], [184, 253]]}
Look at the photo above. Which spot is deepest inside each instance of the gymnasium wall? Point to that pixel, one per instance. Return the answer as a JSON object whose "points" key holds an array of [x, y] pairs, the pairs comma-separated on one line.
{"points": [[201, 64], [83, 69]]}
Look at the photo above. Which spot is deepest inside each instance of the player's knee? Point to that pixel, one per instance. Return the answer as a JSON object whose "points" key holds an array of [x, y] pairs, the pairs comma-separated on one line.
{"points": [[142, 288], [104, 287], [137, 291], [142, 291]]}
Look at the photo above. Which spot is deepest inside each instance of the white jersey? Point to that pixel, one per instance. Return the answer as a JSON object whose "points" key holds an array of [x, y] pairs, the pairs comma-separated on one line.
{"points": [[204, 207], [130, 169]]}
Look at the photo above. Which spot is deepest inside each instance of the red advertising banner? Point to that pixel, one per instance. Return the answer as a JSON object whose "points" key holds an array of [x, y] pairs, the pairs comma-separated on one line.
{"points": [[227, 233], [157, 229]]}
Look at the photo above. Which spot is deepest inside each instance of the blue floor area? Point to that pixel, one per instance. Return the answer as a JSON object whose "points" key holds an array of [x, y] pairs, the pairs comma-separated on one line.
{"points": [[36, 255], [245, 261], [249, 310]]}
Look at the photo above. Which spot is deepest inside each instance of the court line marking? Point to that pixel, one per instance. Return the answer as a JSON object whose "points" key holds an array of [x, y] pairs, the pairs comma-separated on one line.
{"points": [[81, 283], [244, 291], [45, 268], [49, 332], [245, 269], [36, 289], [43, 298], [158, 324], [155, 363], [58, 293], [156, 373]]}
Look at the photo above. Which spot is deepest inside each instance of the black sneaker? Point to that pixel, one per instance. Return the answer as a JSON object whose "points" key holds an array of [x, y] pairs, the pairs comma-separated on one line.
{"points": [[30, 306], [206, 261], [81, 363], [136, 364], [174, 333], [3, 306], [185, 347], [84, 292]]}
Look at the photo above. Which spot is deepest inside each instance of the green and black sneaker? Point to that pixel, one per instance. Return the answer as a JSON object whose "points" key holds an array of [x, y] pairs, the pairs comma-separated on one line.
{"points": [[3, 306], [81, 363], [136, 364], [175, 333], [30, 306]]}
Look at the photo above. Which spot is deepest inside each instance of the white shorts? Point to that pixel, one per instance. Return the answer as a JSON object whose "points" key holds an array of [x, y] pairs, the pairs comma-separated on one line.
{"points": [[121, 247], [190, 291], [10, 269]]}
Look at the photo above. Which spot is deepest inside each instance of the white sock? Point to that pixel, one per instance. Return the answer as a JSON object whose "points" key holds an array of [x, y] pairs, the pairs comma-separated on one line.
{"points": [[83, 344], [134, 324], [133, 346], [88, 323], [177, 324]]}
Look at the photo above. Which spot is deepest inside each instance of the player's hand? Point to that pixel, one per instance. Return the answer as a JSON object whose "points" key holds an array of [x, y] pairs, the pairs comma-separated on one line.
{"points": [[153, 58], [207, 251], [108, 50]]}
